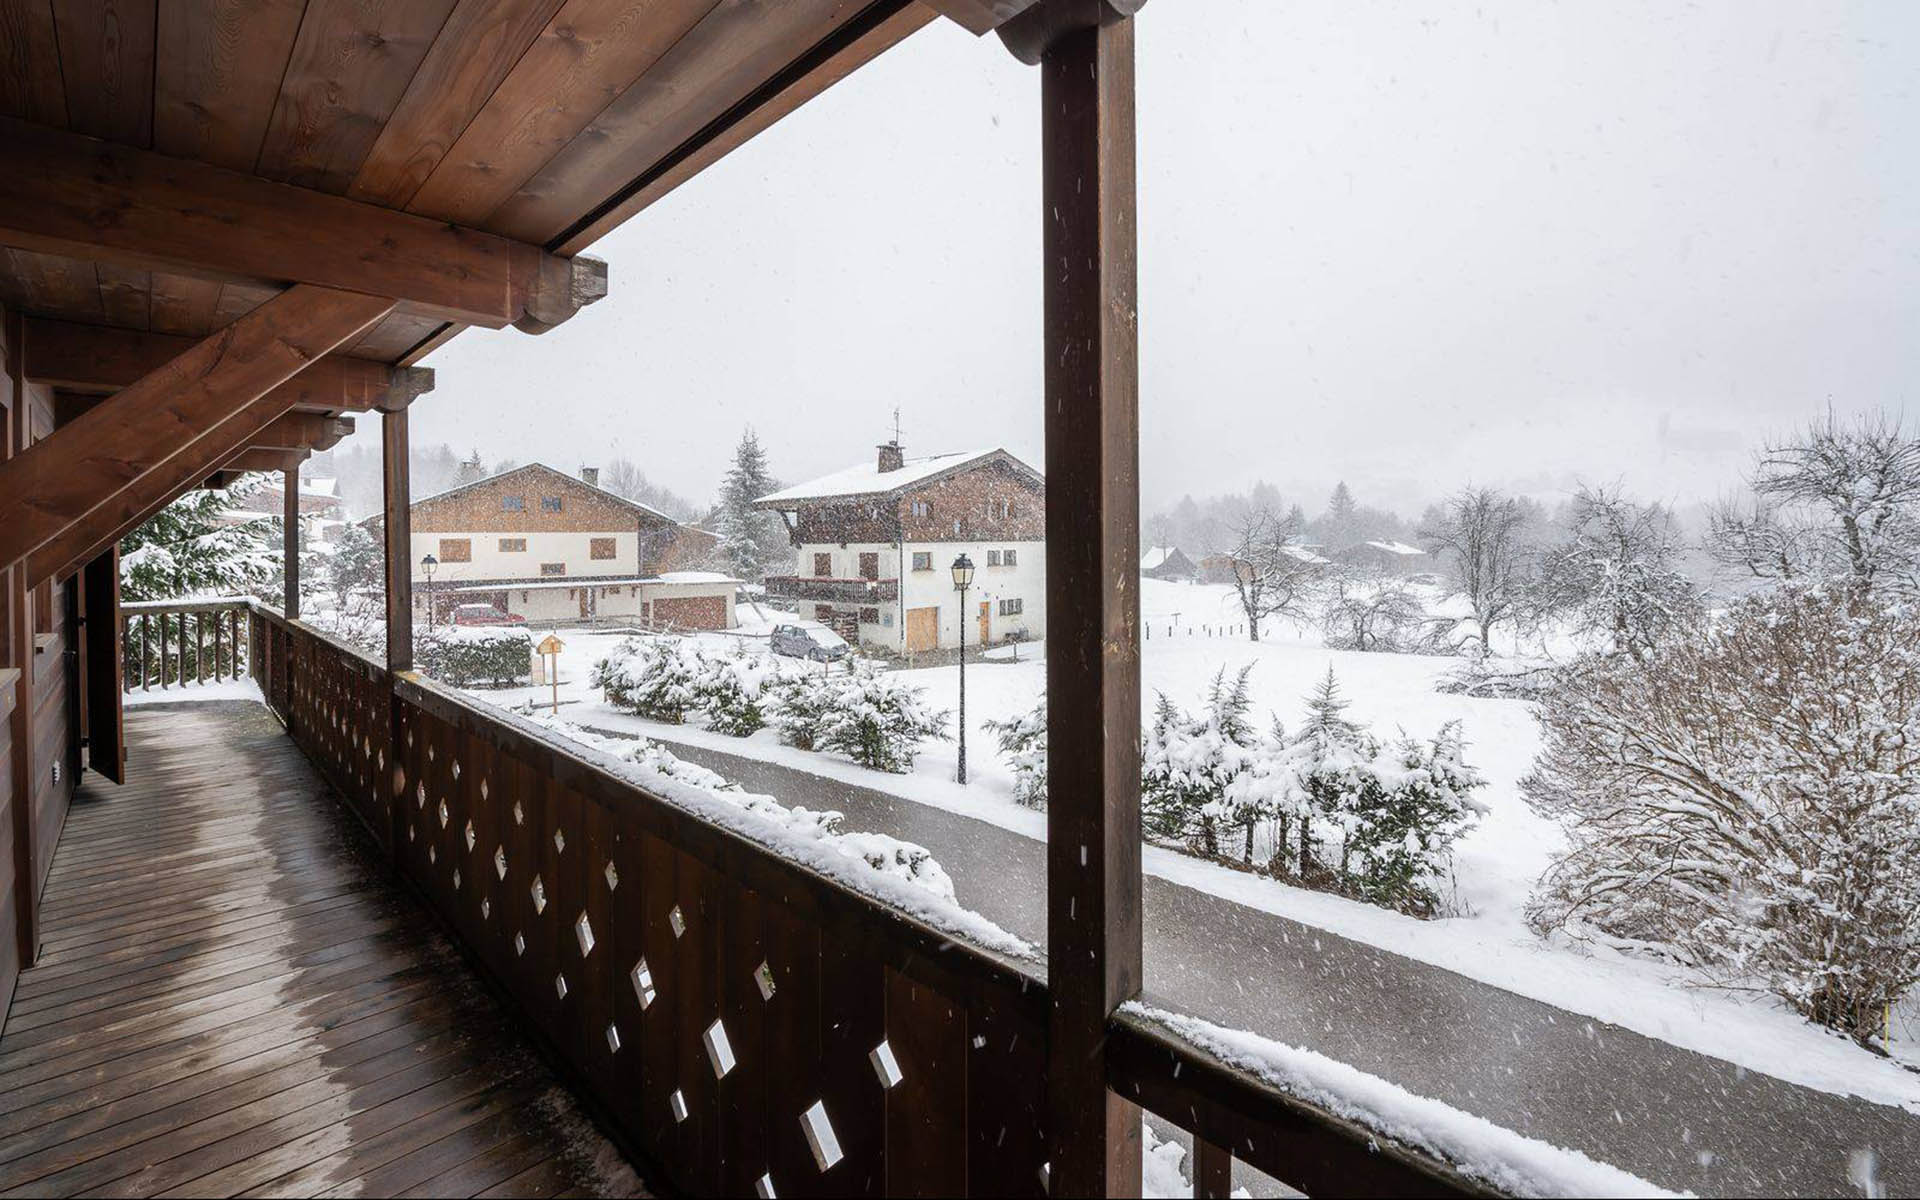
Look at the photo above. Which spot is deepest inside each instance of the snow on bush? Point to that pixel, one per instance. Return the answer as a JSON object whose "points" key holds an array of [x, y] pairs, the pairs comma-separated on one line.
{"points": [[1332, 807], [797, 703], [1509, 1162], [732, 691], [464, 655], [1023, 743], [657, 678], [1747, 802], [900, 873], [877, 720]]}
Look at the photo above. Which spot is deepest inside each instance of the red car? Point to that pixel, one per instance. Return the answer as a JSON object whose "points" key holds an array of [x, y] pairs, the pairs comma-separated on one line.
{"points": [[485, 614]]}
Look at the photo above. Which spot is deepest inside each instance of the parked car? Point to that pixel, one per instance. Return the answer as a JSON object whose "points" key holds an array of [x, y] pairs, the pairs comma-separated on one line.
{"points": [[809, 639], [485, 614]]}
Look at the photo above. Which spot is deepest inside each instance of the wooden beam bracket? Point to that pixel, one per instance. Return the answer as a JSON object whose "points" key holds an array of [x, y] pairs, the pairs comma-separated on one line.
{"points": [[563, 287], [1030, 34]]}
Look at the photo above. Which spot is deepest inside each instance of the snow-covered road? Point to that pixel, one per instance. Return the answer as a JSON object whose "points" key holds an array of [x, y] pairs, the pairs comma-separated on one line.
{"points": [[1679, 1118]]}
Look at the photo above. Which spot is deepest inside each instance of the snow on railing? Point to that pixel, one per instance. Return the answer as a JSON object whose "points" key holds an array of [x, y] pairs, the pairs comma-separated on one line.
{"points": [[1500, 1158]]}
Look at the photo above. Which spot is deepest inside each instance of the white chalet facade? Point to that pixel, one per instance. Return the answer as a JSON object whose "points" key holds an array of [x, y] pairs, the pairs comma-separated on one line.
{"points": [[874, 547]]}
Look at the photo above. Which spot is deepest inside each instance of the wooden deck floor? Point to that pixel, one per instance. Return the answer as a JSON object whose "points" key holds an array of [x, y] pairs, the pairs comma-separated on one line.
{"points": [[234, 998]]}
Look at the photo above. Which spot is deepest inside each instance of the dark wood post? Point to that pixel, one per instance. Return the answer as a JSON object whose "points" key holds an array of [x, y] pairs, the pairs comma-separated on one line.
{"points": [[1093, 608], [290, 542], [397, 521], [19, 640]]}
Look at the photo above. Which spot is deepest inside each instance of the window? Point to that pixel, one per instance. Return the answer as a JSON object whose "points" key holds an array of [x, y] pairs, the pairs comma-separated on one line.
{"points": [[1012, 608], [823, 565], [869, 566], [456, 550], [513, 503], [956, 524], [993, 558], [922, 560], [1009, 558], [513, 545], [869, 616], [550, 504], [921, 508], [553, 568], [602, 548]]}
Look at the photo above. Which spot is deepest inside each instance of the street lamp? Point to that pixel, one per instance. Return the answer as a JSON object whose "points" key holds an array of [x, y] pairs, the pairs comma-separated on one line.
{"points": [[962, 580], [427, 565]]}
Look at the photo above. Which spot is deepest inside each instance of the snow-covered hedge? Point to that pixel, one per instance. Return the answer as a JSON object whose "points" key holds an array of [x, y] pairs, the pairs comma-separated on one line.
{"points": [[868, 715], [1332, 807], [1023, 743], [465, 655], [1747, 801], [657, 678]]}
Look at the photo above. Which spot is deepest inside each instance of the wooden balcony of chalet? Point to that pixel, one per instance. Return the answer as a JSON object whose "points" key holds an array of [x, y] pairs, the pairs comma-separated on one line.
{"points": [[373, 936]]}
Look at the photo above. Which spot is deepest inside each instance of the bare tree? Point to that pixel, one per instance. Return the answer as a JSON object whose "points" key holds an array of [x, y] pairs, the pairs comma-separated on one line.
{"points": [[1385, 616], [1479, 534], [1617, 576], [1839, 500], [1272, 577], [623, 477]]}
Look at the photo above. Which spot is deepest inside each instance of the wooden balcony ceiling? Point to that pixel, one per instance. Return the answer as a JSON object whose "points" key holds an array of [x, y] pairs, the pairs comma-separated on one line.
{"points": [[541, 122], [234, 997]]}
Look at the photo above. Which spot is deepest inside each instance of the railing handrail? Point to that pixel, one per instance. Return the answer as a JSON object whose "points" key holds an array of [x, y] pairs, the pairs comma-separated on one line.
{"points": [[595, 775], [160, 607], [274, 616]]}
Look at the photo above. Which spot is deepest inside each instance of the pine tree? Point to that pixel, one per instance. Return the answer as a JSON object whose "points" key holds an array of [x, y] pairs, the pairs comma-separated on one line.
{"points": [[1326, 722], [193, 547], [750, 540]]}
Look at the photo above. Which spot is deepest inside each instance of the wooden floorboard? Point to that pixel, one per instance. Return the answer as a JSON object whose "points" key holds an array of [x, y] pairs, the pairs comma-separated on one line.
{"points": [[234, 998]]}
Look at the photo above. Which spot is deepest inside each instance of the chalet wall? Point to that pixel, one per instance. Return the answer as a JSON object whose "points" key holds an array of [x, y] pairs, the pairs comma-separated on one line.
{"points": [[962, 507], [487, 561]]}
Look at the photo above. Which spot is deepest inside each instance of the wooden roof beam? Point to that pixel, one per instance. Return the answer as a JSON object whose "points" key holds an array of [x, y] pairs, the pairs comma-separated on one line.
{"points": [[75, 491], [63, 193], [302, 431], [77, 357], [259, 460]]}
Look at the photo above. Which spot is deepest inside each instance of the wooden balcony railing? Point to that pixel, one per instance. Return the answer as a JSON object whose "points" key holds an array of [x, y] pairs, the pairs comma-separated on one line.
{"points": [[181, 643], [833, 591], [747, 1023]]}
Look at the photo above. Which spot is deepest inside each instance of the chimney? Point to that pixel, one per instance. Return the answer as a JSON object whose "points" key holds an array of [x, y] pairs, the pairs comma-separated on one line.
{"points": [[590, 476], [892, 458]]}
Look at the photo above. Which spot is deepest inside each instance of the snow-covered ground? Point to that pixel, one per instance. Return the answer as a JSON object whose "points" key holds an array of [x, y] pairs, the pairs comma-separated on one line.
{"points": [[1496, 864]]}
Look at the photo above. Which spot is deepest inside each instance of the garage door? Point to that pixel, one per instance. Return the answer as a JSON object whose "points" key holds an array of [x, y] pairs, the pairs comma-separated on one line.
{"points": [[923, 629], [691, 612]]}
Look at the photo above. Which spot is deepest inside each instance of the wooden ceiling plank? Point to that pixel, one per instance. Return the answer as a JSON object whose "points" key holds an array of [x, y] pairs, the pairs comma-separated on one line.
{"points": [[477, 47], [394, 336], [59, 284], [350, 65], [183, 304], [734, 50], [106, 64], [693, 157], [587, 56], [70, 489], [126, 293], [30, 84], [67, 194], [69, 356], [219, 65]]}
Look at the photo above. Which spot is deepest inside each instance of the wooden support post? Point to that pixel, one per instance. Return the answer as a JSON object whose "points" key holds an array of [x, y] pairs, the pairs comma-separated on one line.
{"points": [[397, 523], [1212, 1170], [290, 543], [1093, 650]]}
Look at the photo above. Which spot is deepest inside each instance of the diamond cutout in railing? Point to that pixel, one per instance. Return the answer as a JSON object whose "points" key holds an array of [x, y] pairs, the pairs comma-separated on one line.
{"points": [[433, 855], [719, 1049], [519, 944], [613, 1040], [678, 922], [420, 794], [763, 978], [445, 815], [642, 978], [519, 814], [885, 1065], [820, 1136], [559, 842], [486, 908], [560, 986], [678, 1103], [471, 837], [763, 1187], [539, 893], [583, 933], [500, 861], [613, 877], [456, 879]]}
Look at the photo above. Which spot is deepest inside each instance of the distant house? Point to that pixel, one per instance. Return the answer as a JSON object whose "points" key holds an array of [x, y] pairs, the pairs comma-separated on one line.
{"points": [[874, 546], [1384, 557], [1167, 562], [555, 549], [322, 514]]}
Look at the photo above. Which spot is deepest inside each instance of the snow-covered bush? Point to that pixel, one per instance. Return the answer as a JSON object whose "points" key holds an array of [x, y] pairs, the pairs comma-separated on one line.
{"points": [[877, 720], [1023, 743], [656, 678], [731, 690], [1190, 761], [1747, 801], [464, 656], [797, 703]]}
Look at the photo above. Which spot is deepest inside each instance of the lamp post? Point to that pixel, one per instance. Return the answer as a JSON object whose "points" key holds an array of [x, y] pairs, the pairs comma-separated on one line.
{"points": [[427, 566], [962, 580]]}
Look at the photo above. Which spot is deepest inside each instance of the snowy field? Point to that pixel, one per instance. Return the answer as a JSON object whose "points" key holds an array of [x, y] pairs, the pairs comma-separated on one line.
{"points": [[1495, 867]]}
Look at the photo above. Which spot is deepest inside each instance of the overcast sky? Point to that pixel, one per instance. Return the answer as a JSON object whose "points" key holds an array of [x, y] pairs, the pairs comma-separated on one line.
{"points": [[1404, 245]]}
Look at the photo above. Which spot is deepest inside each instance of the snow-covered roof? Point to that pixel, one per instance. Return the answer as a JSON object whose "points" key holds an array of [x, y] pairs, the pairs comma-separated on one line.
{"points": [[575, 480], [579, 581], [867, 479], [1303, 554], [695, 577], [1400, 548], [1156, 556], [320, 487]]}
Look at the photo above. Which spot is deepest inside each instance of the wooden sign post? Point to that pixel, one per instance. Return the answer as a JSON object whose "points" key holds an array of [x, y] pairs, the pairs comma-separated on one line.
{"points": [[549, 649]]}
